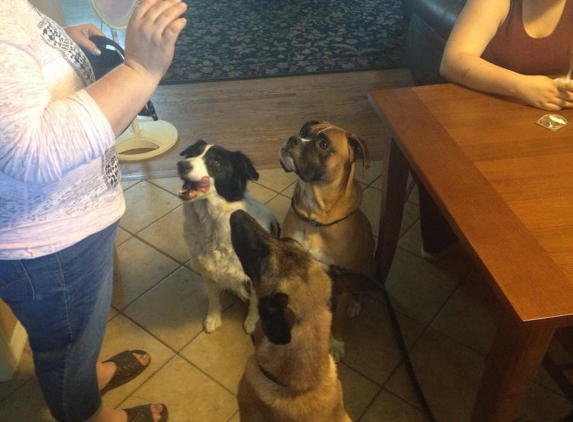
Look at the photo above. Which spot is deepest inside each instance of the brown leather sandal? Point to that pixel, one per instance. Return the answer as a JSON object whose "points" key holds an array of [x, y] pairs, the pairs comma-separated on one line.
{"points": [[143, 413], [128, 367]]}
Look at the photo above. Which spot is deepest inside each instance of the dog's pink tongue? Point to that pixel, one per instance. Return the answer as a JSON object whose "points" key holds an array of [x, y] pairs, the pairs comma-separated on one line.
{"points": [[203, 184]]}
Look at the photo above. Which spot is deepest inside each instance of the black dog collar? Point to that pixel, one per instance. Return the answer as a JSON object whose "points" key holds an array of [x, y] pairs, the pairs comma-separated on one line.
{"points": [[314, 222], [271, 376]]}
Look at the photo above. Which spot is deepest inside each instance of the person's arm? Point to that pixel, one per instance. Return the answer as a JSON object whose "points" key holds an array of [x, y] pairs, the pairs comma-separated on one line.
{"points": [[462, 62], [42, 138], [149, 48]]}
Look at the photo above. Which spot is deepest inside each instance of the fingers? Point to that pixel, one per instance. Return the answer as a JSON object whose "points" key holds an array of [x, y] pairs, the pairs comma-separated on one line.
{"points": [[151, 35], [161, 15], [174, 29], [90, 46], [93, 30]]}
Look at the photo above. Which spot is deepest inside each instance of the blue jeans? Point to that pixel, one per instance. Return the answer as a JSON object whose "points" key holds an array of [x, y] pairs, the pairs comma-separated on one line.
{"points": [[63, 301]]}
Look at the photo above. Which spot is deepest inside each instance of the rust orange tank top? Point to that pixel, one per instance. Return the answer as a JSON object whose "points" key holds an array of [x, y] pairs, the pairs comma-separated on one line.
{"points": [[512, 48]]}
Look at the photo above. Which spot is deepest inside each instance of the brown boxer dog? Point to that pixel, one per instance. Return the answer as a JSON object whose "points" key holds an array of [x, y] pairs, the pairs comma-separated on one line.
{"points": [[291, 377], [325, 215]]}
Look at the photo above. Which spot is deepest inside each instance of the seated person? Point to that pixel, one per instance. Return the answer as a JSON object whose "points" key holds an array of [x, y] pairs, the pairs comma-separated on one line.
{"points": [[504, 47], [507, 47]]}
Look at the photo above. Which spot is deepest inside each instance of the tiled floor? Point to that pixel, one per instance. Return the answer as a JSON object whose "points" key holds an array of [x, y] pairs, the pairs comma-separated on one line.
{"points": [[159, 303]]}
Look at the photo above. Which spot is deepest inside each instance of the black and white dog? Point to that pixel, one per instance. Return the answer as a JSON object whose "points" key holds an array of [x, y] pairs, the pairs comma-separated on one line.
{"points": [[215, 182]]}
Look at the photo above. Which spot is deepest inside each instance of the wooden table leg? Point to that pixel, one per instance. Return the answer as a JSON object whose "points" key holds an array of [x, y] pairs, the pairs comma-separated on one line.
{"points": [[511, 366], [395, 177]]}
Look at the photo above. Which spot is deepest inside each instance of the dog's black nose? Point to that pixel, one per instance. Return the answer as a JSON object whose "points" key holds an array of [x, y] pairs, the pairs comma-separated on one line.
{"points": [[184, 167]]}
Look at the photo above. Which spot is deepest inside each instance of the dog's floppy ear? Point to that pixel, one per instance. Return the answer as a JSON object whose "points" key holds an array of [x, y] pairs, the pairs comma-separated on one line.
{"points": [[350, 281], [245, 166], [195, 149], [248, 240], [276, 319], [232, 188], [360, 149]]}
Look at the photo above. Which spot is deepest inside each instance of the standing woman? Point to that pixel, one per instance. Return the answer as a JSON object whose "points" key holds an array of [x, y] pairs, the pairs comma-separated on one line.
{"points": [[60, 196]]}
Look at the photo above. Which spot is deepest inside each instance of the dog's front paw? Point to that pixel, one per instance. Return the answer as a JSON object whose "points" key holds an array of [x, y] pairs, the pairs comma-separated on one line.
{"points": [[354, 308], [250, 323], [337, 349], [212, 322]]}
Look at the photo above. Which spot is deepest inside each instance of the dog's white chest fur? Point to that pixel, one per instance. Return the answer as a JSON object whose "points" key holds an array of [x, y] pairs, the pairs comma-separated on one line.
{"points": [[207, 233], [308, 242]]}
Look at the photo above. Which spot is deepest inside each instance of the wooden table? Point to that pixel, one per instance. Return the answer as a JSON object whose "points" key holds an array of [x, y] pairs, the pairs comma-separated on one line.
{"points": [[505, 185]]}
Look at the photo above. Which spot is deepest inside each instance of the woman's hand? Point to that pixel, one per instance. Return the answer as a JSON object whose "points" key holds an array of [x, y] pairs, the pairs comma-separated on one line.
{"points": [[149, 46], [151, 35], [81, 35], [545, 93]]}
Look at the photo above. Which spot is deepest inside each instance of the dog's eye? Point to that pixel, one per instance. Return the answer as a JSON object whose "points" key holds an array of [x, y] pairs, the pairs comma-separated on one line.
{"points": [[323, 144], [215, 163]]}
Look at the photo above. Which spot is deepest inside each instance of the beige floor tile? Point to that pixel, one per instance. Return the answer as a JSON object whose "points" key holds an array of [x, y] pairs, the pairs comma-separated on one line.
{"points": [[122, 334], [170, 184], [190, 395], [276, 179], [454, 259], [389, 408], [419, 288], [289, 191], [166, 234], [279, 206], [139, 268], [121, 236], [370, 346], [543, 404], [370, 175], [449, 374], [414, 197], [126, 184], [561, 357], [469, 316], [146, 203], [358, 391], [24, 373], [236, 418], [112, 313], [173, 311], [26, 405], [223, 354], [261, 193], [371, 201]]}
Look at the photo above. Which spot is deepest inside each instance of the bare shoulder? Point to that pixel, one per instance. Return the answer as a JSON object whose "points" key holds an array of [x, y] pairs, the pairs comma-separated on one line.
{"points": [[476, 26], [491, 12]]}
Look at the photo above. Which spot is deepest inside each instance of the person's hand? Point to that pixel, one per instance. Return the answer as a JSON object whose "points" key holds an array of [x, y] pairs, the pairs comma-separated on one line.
{"points": [[151, 34], [546, 93], [81, 35]]}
